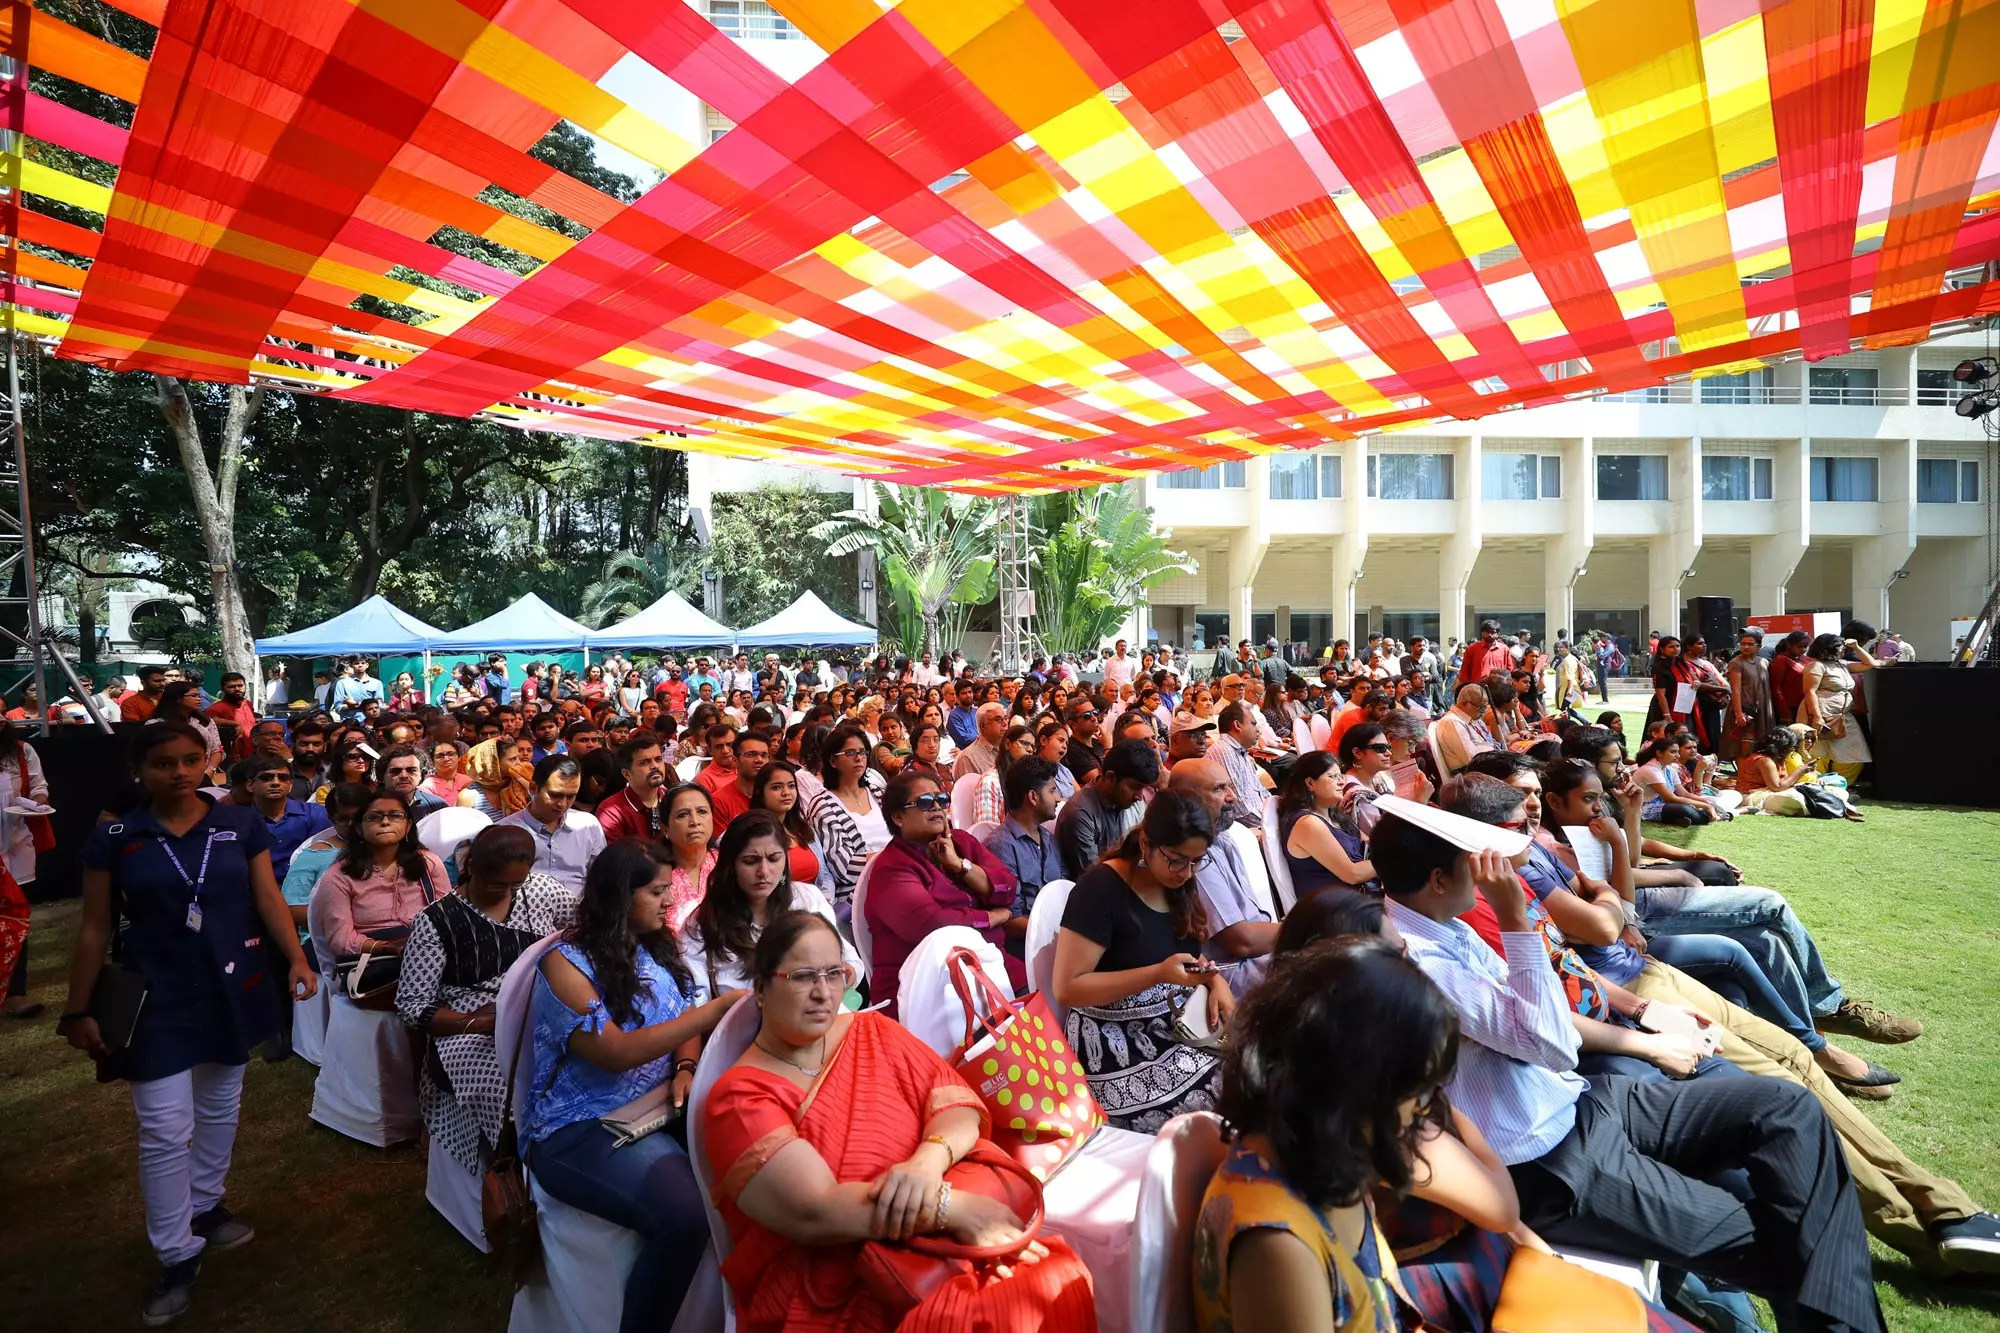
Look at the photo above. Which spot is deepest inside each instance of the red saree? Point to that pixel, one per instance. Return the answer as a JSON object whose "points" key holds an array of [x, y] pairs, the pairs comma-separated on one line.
{"points": [[867, 1111], [14, 917]]}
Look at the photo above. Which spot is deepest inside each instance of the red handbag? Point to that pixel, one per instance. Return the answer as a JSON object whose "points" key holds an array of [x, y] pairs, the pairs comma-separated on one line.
{"points": [[1037, 1096], [903, 1276], [38, 825]]}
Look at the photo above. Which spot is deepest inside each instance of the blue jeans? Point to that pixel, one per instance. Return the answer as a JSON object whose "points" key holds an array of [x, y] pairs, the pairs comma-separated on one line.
{"points": [[1727, 968], [1762, 922], [649, 1187]]}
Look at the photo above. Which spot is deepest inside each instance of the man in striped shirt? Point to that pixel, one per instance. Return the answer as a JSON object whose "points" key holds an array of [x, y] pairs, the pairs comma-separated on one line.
{"points": [[1611, 1163]]}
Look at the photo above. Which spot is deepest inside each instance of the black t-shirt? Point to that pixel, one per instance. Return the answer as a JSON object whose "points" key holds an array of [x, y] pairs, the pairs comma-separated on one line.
{"points": [[1103, 909]]}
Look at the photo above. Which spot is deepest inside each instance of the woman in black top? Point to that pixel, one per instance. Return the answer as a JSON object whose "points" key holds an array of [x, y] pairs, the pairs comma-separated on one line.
{"points": [[1128, 960]]}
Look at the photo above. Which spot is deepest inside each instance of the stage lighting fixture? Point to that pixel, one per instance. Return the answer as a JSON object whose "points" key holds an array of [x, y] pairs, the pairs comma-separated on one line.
{"points": [[1976, 371], [1976, 405]]}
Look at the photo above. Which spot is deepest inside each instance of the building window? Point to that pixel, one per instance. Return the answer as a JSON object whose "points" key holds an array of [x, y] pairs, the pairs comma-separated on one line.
{"points": [[1508, 476], [1631, 476], [1725, 477], [1410, 476], [1936, 388], [1749, 386], [1329, 476], [1845, 480], [1853, 386], [750, 19], [1968, 482], [1294, 477], [1761, 487], [1937, 481], [1552, 476], [1214, 477]]}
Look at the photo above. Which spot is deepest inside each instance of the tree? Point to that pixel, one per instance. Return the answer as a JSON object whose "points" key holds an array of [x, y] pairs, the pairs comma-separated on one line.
{"points": [[935, 552], [1096, 553], [214, 492], [634, 580], [764, 551]]}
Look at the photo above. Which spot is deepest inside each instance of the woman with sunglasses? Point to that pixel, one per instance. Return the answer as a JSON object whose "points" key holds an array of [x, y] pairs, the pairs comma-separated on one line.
{"points": [[929, 876], [1128, 962], [1321, 852], [1366, 756], [834, 1130]]}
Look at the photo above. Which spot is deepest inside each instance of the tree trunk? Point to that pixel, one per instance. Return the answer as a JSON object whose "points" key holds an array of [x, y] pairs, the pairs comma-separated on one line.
{"points": [[214, 493]]}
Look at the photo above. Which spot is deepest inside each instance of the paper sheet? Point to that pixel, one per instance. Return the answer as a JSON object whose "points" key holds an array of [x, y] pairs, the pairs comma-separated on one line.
{"points": [[1683, 698], [1410, 780], [1593, 858]]}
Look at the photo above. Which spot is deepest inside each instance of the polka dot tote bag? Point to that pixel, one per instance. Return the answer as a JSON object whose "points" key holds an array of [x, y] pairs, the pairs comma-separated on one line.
{"points": [[1014, 1056]]}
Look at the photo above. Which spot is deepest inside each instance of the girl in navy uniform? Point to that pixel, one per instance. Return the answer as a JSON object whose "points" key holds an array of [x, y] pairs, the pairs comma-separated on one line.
{"points": [[191, 881]]}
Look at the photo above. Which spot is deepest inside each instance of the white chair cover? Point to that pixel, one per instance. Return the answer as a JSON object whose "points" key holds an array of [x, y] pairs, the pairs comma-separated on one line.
{"points": [[1092, 1203], [982, 831], [367, 1084], [443, 832], [1302, 736], [309, 1025], [964, 800], [688, 767], [864, 940], [1179, 1165], [1256, 876], [1274, 856], [1322, 730], [1437, 755], [732, 1037], [454, 1192], [925, 1000], [1044, 920]]}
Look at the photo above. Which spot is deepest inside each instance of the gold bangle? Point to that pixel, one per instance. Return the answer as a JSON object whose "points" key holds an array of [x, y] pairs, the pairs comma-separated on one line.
{"points": [[950, 1157]]}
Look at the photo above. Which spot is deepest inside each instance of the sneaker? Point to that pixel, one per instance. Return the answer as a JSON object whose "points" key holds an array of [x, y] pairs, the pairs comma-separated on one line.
{"points": [[1858, 1018], [172, 1294], [1971, 1244], [222, 1229]]}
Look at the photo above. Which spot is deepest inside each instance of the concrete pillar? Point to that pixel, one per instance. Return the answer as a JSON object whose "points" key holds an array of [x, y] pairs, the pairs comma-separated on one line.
{"points": [[1461, 546], [1247, 548], [1565, 556], [1350, 544], [1773, 559], [1672, 553], [1877, 558]]}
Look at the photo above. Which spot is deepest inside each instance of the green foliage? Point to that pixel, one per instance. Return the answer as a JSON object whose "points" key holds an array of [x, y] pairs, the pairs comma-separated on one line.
{"points": [[1096, 553], [935, 553], [634, 580], [766, 549]]}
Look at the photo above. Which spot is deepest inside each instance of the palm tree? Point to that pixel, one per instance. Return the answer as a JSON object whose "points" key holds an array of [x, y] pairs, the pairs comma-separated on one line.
{"points": [[634, 580], [1096, 553], [935, 554]]}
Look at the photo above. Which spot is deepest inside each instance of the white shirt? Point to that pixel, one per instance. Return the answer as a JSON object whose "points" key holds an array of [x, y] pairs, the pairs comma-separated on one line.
{"points": [[735, 973], [1516, 1073], [927, 674], [1118, 671], [17, 840]]}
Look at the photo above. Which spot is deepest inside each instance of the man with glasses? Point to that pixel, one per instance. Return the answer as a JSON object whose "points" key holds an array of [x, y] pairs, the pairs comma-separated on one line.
{"points": [[1098, 817], [752, 752], [265, 781], [566, 839], [983, 755], [635, 812], [1241, 934], [1086, 743], [402, 774], [1232, 749]]}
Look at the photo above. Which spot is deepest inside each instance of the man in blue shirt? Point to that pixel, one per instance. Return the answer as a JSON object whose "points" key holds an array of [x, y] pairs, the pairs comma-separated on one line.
{"points": [[495, 679], [547, 732], [354, 689], [963, 724], [704, 674], [1021, 842], [266, 780]]}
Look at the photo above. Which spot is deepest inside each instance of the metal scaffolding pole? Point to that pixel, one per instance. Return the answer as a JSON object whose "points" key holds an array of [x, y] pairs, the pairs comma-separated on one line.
{"points": [[1012, 555]]}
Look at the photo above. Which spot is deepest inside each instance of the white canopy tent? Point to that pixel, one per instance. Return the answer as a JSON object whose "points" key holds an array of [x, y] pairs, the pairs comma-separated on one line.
{"points": [[806, 623], [668, 623]]}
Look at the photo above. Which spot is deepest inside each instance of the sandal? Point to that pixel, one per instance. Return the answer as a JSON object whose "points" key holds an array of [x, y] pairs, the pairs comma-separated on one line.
{"points": [[1873, 1088]]}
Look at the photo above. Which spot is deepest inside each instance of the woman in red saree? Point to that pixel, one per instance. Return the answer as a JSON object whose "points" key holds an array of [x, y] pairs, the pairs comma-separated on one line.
{"points": [[837, 1131]]}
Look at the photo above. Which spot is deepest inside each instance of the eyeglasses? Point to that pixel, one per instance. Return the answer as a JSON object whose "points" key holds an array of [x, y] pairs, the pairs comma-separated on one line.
{"points": [[1379, 747], [385, 817], [850, 754], [930, 802], [807, 979], [1181, 865]]}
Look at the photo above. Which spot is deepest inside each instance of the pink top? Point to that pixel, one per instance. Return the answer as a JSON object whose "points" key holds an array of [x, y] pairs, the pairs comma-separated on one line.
{"points": [[344, 908], [685, 894], [447, 789]]}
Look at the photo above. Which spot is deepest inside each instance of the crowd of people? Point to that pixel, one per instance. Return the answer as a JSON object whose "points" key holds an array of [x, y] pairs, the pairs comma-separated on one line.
{"points": [[1495, 1016]]}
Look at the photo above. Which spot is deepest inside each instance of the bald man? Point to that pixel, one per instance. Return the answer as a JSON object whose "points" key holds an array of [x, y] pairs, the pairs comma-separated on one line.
{"points": [[1241, 934], [1461, 733]]}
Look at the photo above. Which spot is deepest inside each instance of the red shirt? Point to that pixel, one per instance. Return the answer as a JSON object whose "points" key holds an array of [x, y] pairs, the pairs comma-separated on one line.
{"points": [[728, 801], [1482, 659], [623, 817], [674, 695], [136, 707], [1788, 686], [239, 715], [713, 778]]}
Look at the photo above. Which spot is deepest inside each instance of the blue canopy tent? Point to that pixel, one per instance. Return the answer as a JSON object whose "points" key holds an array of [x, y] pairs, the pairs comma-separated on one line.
{"points": [[806, 623], [528, 626], [667, 623], [375, 626]]}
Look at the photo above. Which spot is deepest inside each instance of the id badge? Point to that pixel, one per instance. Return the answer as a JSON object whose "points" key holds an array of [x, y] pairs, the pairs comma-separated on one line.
{"points": [[194, 917]]}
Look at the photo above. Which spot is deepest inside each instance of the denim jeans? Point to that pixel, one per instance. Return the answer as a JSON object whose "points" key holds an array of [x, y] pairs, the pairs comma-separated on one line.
{"points": [[1727, 968], [1762, 922], [649, 1187]]}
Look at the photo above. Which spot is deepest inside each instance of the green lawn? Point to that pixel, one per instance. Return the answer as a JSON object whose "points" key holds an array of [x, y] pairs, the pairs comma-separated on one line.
{"points": [[1907, 909]]}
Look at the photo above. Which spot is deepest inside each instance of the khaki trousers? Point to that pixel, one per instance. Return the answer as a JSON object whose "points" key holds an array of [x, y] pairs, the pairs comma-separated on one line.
{"points": [[1899, 1199]]}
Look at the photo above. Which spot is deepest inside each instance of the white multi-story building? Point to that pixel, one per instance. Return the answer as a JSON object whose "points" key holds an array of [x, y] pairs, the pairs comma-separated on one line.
{"points": [[1849, 485]]}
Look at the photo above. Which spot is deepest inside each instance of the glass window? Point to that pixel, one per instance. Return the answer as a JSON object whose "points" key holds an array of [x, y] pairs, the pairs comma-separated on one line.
{"points": [[1631, 476], [1968, 481], [1216, 476], [1725, 477], [1761, 487], [1845, 480], [1853, 386], [1294, 477], [1749, 386], [1937, 481], [1936, 387], [1410, 476], [1552, 476], [1212, 626], [1312, 627], [1263, 625], [1507, 476], [1329, 476]]}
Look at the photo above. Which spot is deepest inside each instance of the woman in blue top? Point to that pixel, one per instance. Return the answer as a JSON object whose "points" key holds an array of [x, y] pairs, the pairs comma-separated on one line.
{"points": [[615, 1017], [192, 880]]}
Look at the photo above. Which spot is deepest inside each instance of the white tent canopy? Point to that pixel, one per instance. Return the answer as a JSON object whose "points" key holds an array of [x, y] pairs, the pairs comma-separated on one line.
{"points": [[530, 625], [668, 623], [806, 623]]}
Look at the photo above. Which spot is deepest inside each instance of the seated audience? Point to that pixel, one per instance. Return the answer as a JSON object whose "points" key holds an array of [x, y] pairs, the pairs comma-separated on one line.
{"points": [[1770, 772], [845, 815], [565, 839], [366, 900], [989, 801], [1052, 743], [929, 876], [747, 888], [460, 948], [752, 752], [1460, 732], [1240, 931], [636, 810], [1128, 960], [777, 793], [322, 850], [345, 763], [1106, 809], [1665, 799], [1319, 851], [614, 1019], [1024, 844], [503, 776], [838, 1130]]}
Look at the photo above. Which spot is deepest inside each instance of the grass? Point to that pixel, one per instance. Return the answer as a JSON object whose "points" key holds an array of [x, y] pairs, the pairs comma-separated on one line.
{"points": [[1906, 908]]}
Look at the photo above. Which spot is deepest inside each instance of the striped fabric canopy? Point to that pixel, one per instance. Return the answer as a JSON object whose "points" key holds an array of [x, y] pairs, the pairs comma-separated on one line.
{"points": [[1009, 245]]}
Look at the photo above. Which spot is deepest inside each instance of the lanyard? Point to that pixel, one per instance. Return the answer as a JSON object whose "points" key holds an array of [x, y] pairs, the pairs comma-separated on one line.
{"points": [[200, 876]]}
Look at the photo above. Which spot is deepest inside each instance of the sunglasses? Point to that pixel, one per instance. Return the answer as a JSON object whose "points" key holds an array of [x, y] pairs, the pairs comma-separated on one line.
{"points": [[931, 802], [1379, 747]]}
